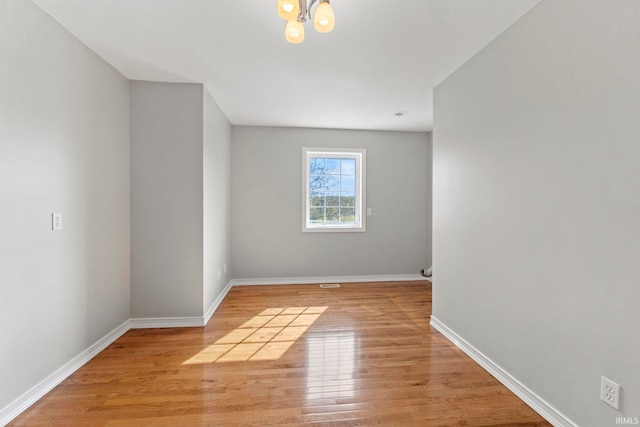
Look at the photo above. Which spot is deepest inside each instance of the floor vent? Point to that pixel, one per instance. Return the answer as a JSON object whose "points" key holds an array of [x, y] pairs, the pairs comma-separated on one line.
{"points": [[329, 285]]}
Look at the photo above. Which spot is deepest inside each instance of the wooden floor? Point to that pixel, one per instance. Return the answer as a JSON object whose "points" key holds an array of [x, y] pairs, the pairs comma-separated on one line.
{"points": [[362, 354]]}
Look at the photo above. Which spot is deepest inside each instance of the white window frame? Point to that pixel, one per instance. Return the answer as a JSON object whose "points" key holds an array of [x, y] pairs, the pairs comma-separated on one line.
{"points": [[359, 154]]}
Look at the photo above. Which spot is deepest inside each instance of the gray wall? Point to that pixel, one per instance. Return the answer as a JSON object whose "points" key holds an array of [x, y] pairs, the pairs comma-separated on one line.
{"points": [[536, 206], [166, 199], [267, 241], [180, 199], [64, 147], [216, 200], [429, 235]]}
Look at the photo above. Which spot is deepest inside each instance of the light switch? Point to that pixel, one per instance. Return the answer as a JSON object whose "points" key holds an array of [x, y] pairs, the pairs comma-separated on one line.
{"points": [[368, 211], [56, 221]]}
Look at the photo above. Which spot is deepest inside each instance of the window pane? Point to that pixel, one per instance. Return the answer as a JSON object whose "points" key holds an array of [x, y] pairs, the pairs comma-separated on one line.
{"points": [[347, 200], [348, 214], [348, 167], [333, 214], [332, 166], [333, 199], [316, 199], [316, 165], [316, 214], [332, 182], [317, 182], [348, 183]]}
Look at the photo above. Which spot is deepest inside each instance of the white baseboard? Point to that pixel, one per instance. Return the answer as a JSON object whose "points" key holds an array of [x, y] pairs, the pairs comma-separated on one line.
{"points": [[166, 322], [216, 303], [180, 322], [538, 404], [32, 395], [328, 279]]}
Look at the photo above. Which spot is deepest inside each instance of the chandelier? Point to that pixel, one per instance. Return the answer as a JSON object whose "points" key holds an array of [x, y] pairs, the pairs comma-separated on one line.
{"points": [[297, 12]]}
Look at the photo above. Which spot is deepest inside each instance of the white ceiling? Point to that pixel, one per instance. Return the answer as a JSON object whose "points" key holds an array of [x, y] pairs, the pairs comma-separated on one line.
{"points": [[382, 57]]}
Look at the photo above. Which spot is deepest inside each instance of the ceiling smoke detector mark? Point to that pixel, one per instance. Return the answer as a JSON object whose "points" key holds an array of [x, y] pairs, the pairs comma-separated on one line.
{"points": [[401, 113], [329, 285]]}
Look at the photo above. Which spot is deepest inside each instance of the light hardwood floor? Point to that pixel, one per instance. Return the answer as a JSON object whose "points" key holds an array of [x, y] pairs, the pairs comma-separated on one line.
{"points": [[362, 354]]}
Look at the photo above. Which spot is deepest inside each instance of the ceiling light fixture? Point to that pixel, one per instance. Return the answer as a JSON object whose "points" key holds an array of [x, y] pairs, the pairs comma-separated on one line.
{"points": [[297, 12]]}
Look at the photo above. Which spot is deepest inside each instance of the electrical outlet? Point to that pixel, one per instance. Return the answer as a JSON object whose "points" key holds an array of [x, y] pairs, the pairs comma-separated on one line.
{"points": [[219, 275], [56, 221], [610, 392]]}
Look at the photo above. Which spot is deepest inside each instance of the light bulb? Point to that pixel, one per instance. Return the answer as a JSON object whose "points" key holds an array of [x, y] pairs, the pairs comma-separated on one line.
{"points": [[288, 9], [294, 32], [324, 19]]}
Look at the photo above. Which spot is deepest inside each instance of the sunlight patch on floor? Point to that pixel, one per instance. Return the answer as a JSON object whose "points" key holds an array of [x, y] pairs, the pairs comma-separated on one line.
{"points": [[266, 336], [332, 361]]}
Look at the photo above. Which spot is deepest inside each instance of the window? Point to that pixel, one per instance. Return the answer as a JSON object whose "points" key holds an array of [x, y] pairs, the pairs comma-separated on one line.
{"points": [[333, 189]]}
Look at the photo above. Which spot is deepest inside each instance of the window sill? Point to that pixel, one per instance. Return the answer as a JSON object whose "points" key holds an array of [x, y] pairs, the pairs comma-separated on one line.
{"points": [[333, 229]]}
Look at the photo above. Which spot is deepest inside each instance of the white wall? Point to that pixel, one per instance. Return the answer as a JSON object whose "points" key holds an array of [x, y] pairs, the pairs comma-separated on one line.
{"points": [[537, 207], [64, 147], [216, 200], [267, 241]]}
